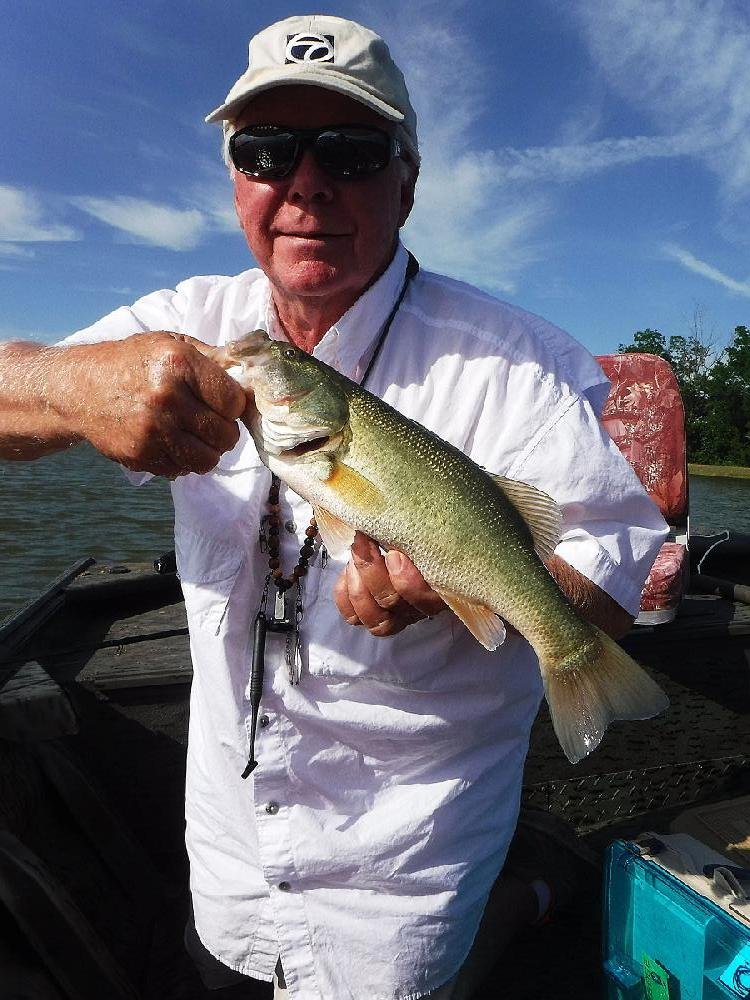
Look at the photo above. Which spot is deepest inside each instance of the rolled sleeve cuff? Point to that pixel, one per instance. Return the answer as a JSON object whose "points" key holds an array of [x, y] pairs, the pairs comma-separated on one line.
{"points": [[137, 478], [584, 553]]}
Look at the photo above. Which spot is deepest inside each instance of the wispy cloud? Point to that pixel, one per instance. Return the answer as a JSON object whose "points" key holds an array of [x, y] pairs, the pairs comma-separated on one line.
{"points": [[23, 220], [14, 250], [148, 222], [466, 221], [212, 194], [559, 164], [481, 212], [692, 263], [684, 64]]}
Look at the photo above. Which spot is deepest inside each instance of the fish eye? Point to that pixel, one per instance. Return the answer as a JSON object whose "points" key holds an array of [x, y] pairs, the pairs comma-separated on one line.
{"points": [[290, 353]]}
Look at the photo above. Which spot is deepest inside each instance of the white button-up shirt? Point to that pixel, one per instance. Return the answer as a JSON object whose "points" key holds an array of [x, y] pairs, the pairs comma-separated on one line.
{"points": [[362, 848]]}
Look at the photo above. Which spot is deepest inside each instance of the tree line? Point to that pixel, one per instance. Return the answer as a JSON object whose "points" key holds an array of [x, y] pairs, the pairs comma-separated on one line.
{"points": [[715, 390]]}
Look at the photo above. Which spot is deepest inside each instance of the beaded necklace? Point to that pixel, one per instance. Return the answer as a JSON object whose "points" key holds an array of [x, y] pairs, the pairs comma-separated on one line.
{"points": [[288, 608]]}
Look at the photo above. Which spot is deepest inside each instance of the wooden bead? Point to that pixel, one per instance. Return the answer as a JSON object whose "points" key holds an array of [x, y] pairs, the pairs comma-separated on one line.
{"points": [[270, 525]]}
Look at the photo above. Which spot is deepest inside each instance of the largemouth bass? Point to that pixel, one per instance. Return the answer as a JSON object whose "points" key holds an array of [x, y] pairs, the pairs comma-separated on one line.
{"points": [[479, 540]]}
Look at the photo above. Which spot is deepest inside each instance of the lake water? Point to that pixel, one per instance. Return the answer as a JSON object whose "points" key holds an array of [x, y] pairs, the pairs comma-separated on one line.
{"points": [[61, 508]]}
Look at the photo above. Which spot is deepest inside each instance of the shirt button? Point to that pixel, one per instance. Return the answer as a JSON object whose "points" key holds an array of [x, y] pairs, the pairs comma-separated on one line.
{"points": [[285, 886], [264, 721], [272, 808]]}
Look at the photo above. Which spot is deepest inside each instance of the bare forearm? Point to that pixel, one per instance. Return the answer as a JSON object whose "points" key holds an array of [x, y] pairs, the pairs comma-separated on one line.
{"points": [[34, 386], [155, 402], [590, 601]]}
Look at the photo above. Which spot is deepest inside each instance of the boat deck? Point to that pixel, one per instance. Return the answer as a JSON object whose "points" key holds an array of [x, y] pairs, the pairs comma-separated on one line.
{"points": [[97, 684]]}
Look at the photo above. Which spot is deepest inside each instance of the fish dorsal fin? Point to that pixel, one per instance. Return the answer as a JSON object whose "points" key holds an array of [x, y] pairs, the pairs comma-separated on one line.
{"points": [[539, 511], [357, 492], [480, 620], [337, 535]]}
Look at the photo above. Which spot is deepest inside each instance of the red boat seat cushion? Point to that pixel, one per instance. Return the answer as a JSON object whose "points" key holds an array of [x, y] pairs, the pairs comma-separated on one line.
{"points": [[665, 584], [645, 418]]}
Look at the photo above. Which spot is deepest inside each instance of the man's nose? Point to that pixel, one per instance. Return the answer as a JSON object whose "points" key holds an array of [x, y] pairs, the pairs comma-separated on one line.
{"points": [[308, 181]]}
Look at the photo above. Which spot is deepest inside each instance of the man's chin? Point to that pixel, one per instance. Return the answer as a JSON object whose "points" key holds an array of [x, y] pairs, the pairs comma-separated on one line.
{"points": [[313, 275]]}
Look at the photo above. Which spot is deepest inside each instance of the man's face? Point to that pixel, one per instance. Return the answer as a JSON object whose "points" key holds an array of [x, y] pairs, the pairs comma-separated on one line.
{"points": [[312, 234]]}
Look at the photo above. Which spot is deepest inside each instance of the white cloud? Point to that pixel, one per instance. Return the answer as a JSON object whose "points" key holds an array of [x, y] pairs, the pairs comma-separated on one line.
{"points": [[480, 212], [697, 266], [15, 251], [574, 162], [213, 195], [22, 221], [466, 221], [684, 64], [147, 221]]}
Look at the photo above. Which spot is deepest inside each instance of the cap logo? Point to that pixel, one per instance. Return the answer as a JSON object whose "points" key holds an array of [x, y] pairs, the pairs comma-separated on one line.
{"points": [[304, 47]]}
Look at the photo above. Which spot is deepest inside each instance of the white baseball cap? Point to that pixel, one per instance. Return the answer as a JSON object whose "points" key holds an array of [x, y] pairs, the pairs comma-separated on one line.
{"points": [[329, 52]]}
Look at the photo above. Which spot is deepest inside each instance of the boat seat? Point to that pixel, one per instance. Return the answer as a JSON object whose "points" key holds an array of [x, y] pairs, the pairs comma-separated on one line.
{"points": [[645, 418]]}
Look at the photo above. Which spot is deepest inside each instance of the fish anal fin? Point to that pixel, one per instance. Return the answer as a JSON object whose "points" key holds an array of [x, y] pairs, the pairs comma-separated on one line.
{"points": [[592, 688], [480, 620], [337, 535], [356, 491], [539, 511]]}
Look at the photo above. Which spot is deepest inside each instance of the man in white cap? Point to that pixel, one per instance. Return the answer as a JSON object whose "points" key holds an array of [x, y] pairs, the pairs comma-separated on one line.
{"points": [[356, 860]]}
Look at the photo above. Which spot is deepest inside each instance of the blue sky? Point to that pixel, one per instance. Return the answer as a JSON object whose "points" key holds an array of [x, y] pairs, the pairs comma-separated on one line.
{"points": [[586, 159]]}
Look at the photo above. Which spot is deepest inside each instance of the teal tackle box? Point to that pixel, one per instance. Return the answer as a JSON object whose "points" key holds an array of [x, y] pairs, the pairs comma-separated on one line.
{"points": [[676, 921]]}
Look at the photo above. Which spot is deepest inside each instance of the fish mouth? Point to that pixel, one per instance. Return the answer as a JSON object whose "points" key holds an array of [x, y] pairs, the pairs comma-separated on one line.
{"points": [[316, 444]]}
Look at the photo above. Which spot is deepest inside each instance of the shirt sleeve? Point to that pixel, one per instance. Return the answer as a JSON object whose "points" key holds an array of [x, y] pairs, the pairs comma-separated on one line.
{"points": [[162, 310], [612, 530]]}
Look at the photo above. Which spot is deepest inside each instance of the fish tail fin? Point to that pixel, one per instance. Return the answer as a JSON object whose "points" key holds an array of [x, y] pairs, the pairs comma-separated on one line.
{"points": [[592, 688]]}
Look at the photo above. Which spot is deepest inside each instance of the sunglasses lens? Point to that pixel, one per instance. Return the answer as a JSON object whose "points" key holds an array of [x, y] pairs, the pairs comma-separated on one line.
{"points": [[345, 152], [353, 152], [263, 154]]}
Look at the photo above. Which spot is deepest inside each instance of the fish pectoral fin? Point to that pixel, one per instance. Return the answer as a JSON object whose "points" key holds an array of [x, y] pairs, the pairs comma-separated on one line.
{"points": [[355, 489], [480, 620], [337, 535], [539, 511]]}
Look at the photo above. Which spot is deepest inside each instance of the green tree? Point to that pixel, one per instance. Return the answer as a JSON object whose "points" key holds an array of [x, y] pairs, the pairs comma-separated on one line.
{"points": [[730, 402], [646, 342]]}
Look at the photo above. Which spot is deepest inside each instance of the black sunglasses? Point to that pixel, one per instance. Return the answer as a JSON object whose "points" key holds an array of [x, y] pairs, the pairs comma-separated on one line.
{"points": [[343, 151]]}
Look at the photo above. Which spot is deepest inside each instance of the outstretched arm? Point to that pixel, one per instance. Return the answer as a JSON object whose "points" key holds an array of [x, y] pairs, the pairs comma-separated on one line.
{"points": [[153, 402]]}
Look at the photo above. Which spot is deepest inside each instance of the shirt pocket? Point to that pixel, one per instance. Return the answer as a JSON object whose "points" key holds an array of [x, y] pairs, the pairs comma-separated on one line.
{"points": [[208, 568], [416, 658]]}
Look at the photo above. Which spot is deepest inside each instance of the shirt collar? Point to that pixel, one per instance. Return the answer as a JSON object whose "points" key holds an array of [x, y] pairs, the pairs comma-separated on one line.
{"points": [[349, 343]]}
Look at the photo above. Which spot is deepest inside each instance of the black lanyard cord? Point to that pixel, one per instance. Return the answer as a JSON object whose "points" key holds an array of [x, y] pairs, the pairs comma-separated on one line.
{"points": [[412, 269]]}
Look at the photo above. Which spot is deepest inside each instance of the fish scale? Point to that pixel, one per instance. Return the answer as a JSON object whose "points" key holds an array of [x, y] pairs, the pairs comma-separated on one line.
{"points": [[477, 539]]}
